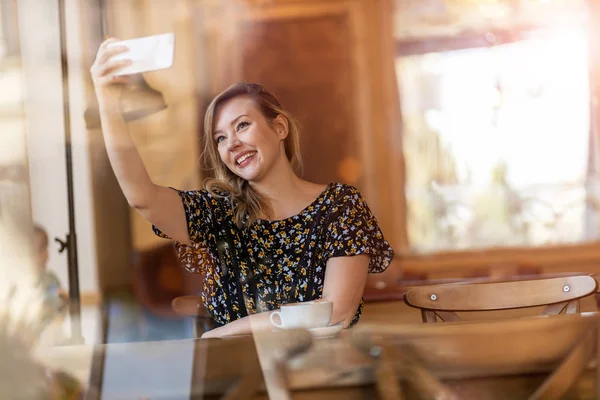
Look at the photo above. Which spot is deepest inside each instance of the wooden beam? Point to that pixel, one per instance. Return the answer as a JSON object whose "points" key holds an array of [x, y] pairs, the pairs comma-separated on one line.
{"points": [[570, 255]]}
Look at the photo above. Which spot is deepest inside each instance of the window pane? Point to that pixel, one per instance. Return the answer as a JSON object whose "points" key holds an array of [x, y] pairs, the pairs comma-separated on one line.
{"points": [[496, 143], [427, 18]]}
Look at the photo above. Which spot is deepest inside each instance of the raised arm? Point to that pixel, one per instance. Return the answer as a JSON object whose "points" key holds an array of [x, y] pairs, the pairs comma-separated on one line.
{"points": [[159, 205]]}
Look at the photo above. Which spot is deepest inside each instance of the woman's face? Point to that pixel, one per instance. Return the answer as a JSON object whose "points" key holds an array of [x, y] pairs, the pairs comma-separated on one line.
{"points": [[248, 145]]}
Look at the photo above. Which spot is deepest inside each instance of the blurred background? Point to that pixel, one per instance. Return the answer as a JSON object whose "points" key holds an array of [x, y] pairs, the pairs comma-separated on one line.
{"points": [[470, 126]]}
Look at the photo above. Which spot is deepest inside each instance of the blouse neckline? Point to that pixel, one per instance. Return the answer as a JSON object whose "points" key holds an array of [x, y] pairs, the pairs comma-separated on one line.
{"points": [[304, 210]]}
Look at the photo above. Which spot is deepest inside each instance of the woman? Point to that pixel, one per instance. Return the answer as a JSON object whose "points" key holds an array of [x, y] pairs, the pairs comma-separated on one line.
{"points": [[260, 234]]}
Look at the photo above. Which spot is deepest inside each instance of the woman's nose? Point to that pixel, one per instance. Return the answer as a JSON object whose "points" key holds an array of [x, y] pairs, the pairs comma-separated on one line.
{"points": [[234, 142]]}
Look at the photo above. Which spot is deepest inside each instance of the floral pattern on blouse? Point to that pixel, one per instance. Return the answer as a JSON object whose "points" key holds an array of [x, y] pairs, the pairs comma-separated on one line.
{"points": [[271, 263]]}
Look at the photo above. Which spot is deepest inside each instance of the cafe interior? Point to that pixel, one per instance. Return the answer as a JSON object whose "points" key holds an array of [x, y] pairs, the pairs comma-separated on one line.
{"points": [[452, 117]]}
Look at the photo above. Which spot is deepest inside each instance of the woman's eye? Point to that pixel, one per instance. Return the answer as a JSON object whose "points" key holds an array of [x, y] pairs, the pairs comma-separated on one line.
{"points": [[219, 139], [242, 125]]}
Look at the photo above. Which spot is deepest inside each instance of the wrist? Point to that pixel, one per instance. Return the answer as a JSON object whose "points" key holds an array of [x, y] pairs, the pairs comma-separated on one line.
{"points": [[107, 99], [109, 106]]}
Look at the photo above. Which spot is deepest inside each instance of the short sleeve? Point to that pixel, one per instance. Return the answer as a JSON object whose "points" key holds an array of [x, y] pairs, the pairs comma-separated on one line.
{"points": [[198, 214], [199, 207], [352, 230]]}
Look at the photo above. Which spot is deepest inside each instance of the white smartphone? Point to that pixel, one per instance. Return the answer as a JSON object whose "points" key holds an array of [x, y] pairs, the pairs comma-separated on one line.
{"points": [[148, 53]]}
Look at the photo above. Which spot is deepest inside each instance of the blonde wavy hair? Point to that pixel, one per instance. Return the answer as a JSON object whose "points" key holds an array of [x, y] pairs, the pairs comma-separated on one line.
{"points": [[248, 204]]}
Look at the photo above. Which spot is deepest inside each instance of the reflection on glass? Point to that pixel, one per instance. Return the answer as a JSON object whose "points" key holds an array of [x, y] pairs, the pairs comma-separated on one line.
{"points": [[426, 18], [17, 293], [496, 144]]}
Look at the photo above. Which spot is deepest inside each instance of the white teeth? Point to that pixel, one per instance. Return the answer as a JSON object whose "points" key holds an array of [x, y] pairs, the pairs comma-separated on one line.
{"points": [[245, 157]]}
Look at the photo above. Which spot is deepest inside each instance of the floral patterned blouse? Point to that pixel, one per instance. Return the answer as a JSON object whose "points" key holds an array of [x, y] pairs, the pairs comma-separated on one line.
{"points": [[271, 263]]}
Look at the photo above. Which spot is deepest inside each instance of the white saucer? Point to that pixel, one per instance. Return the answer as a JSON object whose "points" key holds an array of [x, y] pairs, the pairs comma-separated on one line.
{"points": [[327, 331], [322, 332]]}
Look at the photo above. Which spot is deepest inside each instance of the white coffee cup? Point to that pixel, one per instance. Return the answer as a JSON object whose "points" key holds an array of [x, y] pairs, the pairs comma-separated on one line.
{"points": [[310, 314]]}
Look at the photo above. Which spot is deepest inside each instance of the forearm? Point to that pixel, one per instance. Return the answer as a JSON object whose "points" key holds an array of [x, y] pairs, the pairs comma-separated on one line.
{"points": [[343, 312], [124, 157], [242, 326], [345, 280]]}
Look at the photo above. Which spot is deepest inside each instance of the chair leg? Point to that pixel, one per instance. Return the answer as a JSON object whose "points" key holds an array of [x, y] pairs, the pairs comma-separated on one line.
{"points": [[428, 316], [563, 377], [393, 365], [573, 307], [554, 309], [410, 369], [447, 316], [386, 379], [245, 388], [423, 381]]}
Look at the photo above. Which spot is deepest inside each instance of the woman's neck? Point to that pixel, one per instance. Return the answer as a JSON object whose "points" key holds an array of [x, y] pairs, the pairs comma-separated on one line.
{"points": [[286, 193], [280, 183]]}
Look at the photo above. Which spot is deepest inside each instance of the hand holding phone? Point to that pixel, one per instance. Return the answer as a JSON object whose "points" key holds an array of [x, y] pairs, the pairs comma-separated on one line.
{"points": [[148, 53]]}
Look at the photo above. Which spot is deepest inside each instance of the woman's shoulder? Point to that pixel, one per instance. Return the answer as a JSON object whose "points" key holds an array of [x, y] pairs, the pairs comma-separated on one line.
{"points": [[339, 191], [212, 198], [217, 188], [211, 188], [341, 197], [195, 193]]}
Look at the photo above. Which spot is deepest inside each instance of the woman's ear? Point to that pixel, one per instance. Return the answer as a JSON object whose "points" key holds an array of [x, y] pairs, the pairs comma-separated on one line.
{"points": [[281, 125]]}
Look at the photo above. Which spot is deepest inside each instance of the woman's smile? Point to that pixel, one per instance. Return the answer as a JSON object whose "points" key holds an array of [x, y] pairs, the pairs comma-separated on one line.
{"points": [[245, 158]]}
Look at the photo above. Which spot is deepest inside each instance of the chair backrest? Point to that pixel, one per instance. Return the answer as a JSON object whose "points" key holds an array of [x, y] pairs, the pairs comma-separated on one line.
{"points": [[158, 278], [557, 294]]}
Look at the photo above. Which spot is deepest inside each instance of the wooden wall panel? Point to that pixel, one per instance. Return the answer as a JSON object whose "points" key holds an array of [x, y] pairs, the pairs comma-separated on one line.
{"points": [[306, 63]]}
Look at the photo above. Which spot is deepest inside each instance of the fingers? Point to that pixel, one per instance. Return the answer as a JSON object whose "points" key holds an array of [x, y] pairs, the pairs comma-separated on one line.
{"points": [[121, 79], [112, 67], [106, 54], [105, 51], [105, 67], [106, 74], [112, 79], [104, 45], [107, 41]]}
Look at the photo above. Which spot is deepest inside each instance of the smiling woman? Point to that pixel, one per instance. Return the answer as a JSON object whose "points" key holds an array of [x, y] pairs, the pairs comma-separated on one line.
{"points": [[238, 122], [260, 234]]}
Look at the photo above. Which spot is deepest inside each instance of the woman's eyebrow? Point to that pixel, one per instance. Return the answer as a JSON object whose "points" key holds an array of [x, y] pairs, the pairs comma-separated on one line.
{"points": [[231, 123]]}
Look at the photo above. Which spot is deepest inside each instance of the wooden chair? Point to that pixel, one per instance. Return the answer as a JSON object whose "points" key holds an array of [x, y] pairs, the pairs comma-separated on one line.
{"points": [[192, 306], [557, 294], [158, 278], [531, 358], [163, 286]]}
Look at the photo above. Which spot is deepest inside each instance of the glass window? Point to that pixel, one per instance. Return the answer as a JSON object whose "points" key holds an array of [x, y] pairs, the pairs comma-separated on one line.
{"points": [[496, 143]]}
